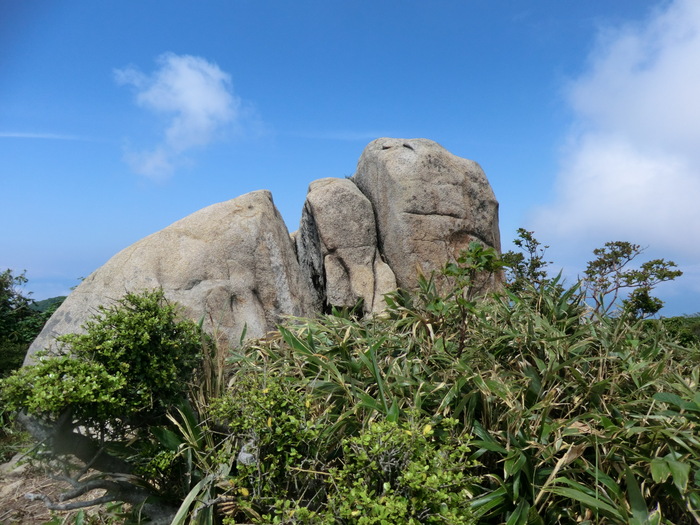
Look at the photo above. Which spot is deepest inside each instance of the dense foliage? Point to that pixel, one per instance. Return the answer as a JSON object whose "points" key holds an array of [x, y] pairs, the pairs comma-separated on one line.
{"points": [[97, 400], [570, 415], [21, 320], [539, 403], [131, 364]]}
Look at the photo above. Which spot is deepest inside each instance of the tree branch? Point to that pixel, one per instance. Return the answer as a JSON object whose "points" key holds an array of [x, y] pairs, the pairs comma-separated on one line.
{"points": [[63, 440], [107, 498], [119, 490]]}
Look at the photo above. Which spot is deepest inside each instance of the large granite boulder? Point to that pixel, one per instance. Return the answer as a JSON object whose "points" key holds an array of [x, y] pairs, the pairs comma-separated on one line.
{"points": [[410, 207], [337, 247], [232, 263], [429, 204]]}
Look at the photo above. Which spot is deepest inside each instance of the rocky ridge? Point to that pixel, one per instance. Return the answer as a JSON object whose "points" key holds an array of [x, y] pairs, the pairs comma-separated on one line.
{"points": [[410, 207]]}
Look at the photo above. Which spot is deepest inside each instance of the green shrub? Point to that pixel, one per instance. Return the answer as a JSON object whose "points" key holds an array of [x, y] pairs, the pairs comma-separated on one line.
{"points": [[20, 321], [132, 363], [576, 417], [685, 329], [280, 452], [11, 356], [297, 471], [104, 398], [403, 473]]}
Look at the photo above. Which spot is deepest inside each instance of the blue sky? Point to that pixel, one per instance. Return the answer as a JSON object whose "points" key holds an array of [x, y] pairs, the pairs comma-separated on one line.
{"points": [[118, 118]]}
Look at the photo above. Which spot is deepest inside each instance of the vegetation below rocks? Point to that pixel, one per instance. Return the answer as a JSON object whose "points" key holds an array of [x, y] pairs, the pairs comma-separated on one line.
{"points": [[21, 320], [542, 403]]}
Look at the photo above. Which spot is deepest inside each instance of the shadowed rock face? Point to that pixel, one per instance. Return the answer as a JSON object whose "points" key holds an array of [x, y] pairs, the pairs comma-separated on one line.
{"points": [[231, 263], [429, 204], [411, 206]]}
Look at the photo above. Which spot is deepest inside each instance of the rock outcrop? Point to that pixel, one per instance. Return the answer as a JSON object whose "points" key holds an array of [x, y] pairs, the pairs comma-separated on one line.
{"points": [[231, 263], [410, 207], [337, 247], [429, 204]]}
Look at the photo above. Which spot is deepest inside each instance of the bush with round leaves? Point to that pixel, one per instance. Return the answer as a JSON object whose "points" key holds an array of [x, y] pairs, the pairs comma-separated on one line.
{"points": [[133, 362]]}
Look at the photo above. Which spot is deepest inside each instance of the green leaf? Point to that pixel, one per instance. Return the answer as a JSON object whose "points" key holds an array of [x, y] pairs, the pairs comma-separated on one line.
{"points": [[167, 438], [680, 472], [520, 514], [514, 463], [292, 340], [184, 510], [393, 413], [368, 401], [489, 445], [640, 513], [486, 440], [669, 398], [654, 518], [241, 341], [660, 470], [587, 500], [533, 517], [490, 501]]}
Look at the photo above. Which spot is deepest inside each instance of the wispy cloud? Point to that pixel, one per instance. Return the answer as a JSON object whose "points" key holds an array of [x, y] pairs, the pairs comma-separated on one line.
{"points": [[631, 167], [42, 136], [196, 101]]}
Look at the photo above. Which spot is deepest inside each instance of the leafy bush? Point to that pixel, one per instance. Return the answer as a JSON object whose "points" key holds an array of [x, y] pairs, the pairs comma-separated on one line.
{"points": [[275, 457], [278, 440], [20, 321], [98, 400], [686, 329], [577, 416], [403, 473], [133, 362]]}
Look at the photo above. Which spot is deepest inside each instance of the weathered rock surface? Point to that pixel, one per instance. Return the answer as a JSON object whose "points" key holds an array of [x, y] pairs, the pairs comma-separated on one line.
{"points": [[429, 204], [337, 247], [232, 263]]}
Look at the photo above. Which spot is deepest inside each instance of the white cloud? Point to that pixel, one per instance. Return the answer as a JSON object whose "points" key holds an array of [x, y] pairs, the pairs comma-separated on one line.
{"points": [[196, 100], [612, 189], [631, 168]]}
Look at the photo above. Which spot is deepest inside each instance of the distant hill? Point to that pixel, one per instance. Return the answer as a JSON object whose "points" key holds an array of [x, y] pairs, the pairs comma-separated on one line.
{"points": [[45, 304]]}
